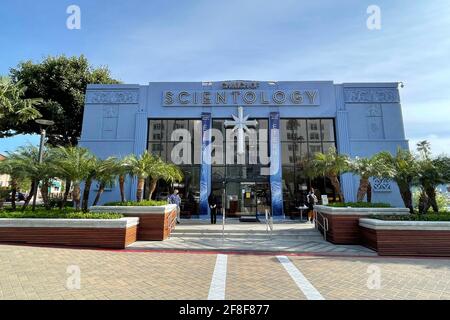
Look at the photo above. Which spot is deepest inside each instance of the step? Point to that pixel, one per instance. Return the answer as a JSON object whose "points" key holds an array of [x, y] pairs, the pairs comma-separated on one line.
{"points": [[248, 236]]}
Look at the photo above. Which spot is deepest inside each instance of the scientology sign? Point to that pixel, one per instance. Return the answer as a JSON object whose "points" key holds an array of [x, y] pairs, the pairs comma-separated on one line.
{"points": [[241, 97]]}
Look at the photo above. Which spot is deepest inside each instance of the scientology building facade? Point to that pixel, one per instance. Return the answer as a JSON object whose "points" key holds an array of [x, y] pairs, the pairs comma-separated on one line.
{"points": [[247, 140]]}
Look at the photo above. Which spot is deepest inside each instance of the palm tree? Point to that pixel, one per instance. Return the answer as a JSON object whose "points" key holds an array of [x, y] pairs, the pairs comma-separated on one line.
{"points": [[107, 172], [140, 167], [331, 165], [25, 161], [432, 172], [12, 103], [150, 166], [366, 168], [74, 164], [165, 171], [402, 168], [93, 166]]}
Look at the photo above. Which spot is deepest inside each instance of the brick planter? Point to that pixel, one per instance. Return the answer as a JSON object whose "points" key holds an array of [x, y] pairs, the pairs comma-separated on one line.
{"points": [[155, 223], [406, 238], [343, 223], [99, 233]]}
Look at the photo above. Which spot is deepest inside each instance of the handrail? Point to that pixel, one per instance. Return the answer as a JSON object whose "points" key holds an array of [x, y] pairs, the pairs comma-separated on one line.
{"points": [[324, 225], [269, 222]]}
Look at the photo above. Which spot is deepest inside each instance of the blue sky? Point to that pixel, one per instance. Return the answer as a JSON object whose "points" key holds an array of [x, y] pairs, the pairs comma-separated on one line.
{"points": [[144, 41]]}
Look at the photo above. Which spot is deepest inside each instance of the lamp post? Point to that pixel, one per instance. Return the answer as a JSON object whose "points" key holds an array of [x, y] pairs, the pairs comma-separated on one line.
{"points": [[43, 124]]}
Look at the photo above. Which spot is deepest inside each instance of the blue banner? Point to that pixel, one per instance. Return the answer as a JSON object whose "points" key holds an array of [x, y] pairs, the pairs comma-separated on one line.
{"points": [[276, 187], [205, 172]]}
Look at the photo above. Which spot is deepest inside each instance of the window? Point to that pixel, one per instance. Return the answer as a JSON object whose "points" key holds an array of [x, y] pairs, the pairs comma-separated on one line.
{"points": [[160, 144], [301, 139]]}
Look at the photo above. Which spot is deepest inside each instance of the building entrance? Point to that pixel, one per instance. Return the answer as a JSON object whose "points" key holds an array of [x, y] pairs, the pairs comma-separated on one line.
{"points": [[244, 198]]}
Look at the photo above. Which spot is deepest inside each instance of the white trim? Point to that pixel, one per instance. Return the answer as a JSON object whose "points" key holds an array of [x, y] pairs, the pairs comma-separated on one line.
{"points": [[310, 292], [135, 209], [69, 223], [361, 211], [219, 279], [376, 224]]}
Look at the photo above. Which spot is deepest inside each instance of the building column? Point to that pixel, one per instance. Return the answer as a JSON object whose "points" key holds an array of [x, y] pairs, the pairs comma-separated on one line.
{"points": [[276, 187], [140, 141], [205, 170], [343, 142]]}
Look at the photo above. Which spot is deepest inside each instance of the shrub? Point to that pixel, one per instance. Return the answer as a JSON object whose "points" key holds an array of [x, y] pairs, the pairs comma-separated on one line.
{"points": [[359, 205], [441, 216], [143, 203], [57, 214]]}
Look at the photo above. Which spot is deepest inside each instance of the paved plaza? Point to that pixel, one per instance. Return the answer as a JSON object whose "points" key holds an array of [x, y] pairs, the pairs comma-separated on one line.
{"points": [[59, 273], [286, 236]]}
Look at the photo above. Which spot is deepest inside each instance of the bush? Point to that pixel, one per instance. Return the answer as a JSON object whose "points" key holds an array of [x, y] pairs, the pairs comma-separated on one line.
{"points": [[441, 216], [57, 214], [144, 203], [360, 205]]}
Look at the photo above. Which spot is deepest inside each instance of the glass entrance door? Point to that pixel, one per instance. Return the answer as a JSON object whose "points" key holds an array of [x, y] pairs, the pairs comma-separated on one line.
{"points": [[246, 198]]}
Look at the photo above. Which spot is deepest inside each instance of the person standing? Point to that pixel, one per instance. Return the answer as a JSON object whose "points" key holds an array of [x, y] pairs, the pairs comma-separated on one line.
{"points": [[174, 198], [212, 202], [312, 201]]}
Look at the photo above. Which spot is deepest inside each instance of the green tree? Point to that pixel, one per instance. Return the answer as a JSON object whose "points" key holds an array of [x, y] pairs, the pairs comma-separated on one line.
{"points": [[152, 167], [431, 173], [165, 171], [331, 165], [402, 168], [73, 164], [107, 172], [61, 83], [15, 109], [366, 168], [25, 163]]}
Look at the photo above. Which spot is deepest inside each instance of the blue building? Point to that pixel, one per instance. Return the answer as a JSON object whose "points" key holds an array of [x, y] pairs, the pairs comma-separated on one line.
{"points": [[359, 119]]}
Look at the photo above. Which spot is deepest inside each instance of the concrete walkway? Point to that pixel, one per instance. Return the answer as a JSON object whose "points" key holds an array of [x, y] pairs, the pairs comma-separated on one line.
{"points": [[287, 236]]}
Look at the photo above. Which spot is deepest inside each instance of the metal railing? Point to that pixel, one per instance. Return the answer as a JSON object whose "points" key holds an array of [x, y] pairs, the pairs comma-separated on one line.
{"points": [[323, 224], [269, 223]]}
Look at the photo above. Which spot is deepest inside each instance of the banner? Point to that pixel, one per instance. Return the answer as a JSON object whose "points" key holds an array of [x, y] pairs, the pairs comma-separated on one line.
{"points": [[205, 172], [276, 187]]}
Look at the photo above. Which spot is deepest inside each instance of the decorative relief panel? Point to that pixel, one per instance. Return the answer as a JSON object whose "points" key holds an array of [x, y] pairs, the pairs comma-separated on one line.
{"points": [[381, 185], [112, 96], [371, 95], [375, 127], [109, 123]]}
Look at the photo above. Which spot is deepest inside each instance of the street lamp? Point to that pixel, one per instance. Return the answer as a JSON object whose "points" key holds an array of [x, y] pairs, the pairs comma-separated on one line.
{"points": [[42, 124]]}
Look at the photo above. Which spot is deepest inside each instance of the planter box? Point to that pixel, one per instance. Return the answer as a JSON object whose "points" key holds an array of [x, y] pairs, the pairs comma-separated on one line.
{"points": [[155, 223], [99, 233], [343, 223], [406, 238]]}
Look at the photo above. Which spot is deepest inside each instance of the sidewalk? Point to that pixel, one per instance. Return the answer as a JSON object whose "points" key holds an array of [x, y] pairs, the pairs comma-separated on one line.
{"points": [[287, 236]]}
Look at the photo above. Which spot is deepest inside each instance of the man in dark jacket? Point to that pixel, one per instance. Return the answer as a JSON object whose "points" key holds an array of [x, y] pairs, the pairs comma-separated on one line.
{"points": [[212, 202]]}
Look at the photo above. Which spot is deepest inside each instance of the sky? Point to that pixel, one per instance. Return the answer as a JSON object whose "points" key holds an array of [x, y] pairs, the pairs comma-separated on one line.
{"points": [[206, 40]]}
